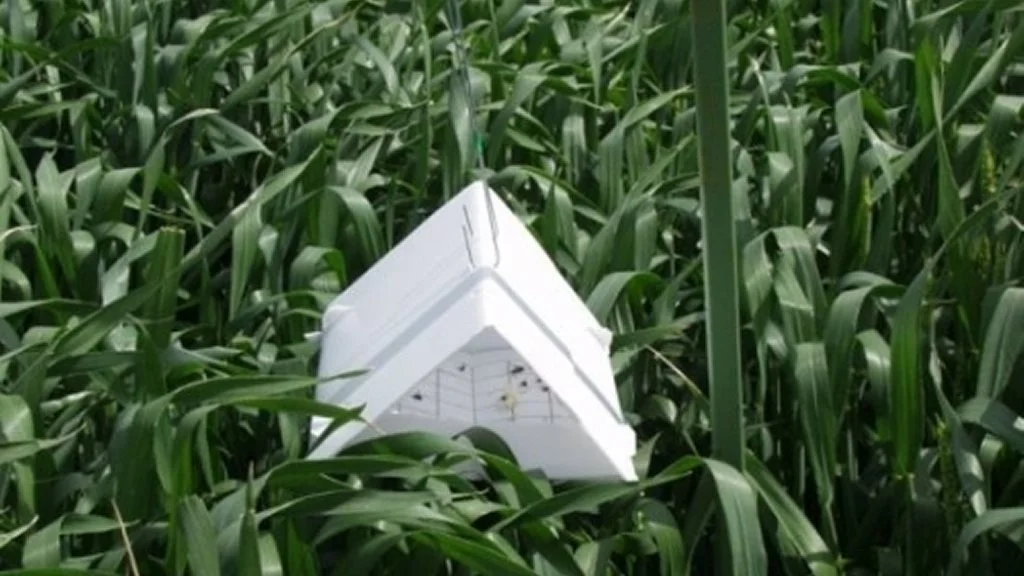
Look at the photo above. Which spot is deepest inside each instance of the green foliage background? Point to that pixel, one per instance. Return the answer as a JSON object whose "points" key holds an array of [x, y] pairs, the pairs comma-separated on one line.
{"points": [[184, 185]]}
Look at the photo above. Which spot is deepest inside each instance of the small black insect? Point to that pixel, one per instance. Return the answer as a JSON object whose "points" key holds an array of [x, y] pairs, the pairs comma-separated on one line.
{"points": [[517, 369], [524, 384], [545, 388], [462, 367], [417, 396]]}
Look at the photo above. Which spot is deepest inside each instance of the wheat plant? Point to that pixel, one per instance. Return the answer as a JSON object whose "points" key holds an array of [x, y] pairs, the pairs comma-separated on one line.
{"points": [[821, 197]]}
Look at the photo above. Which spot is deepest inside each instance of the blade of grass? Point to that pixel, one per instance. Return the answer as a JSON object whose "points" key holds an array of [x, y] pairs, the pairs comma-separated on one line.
{"points": [[718, 231]]}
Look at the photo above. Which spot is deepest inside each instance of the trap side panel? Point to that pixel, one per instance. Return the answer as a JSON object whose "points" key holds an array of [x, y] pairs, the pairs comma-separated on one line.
{"points": [[559, 451]]}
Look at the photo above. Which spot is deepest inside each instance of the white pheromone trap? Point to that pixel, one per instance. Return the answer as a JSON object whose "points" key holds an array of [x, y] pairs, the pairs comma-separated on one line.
{"points": [[467, 323]]}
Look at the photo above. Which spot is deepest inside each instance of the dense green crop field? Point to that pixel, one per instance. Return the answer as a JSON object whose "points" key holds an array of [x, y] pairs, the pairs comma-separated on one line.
{"points": [[184, 185]]}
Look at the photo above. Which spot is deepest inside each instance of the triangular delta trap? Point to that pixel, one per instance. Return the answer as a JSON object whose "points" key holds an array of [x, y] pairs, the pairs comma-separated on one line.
{"points": [[467, 323]]}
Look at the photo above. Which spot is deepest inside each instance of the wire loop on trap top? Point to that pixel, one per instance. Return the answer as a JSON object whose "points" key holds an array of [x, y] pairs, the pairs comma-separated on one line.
{"points": [[468, 232], [462, 66]]}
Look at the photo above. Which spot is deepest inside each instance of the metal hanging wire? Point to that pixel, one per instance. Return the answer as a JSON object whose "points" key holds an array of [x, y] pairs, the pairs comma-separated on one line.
{"points": [[462, 68]]}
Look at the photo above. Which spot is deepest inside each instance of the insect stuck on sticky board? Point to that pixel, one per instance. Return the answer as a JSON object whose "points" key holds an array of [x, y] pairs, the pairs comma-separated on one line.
{"points": [[510, 399]]}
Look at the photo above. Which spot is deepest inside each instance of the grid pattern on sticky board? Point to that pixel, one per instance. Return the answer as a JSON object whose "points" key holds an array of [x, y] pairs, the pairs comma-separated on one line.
{"points": [[493, 386]]}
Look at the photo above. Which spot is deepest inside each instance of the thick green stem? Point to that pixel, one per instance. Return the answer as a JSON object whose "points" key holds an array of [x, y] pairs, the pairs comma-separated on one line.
{"points": [[721, 270], [720, 254]]}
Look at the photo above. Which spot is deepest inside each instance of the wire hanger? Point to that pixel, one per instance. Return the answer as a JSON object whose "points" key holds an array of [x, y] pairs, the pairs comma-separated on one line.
{"points": [[455, 18]]}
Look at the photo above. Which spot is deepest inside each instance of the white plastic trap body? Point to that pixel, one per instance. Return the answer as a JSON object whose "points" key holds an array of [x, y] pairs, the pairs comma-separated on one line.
{"points": [[465, 323]]}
